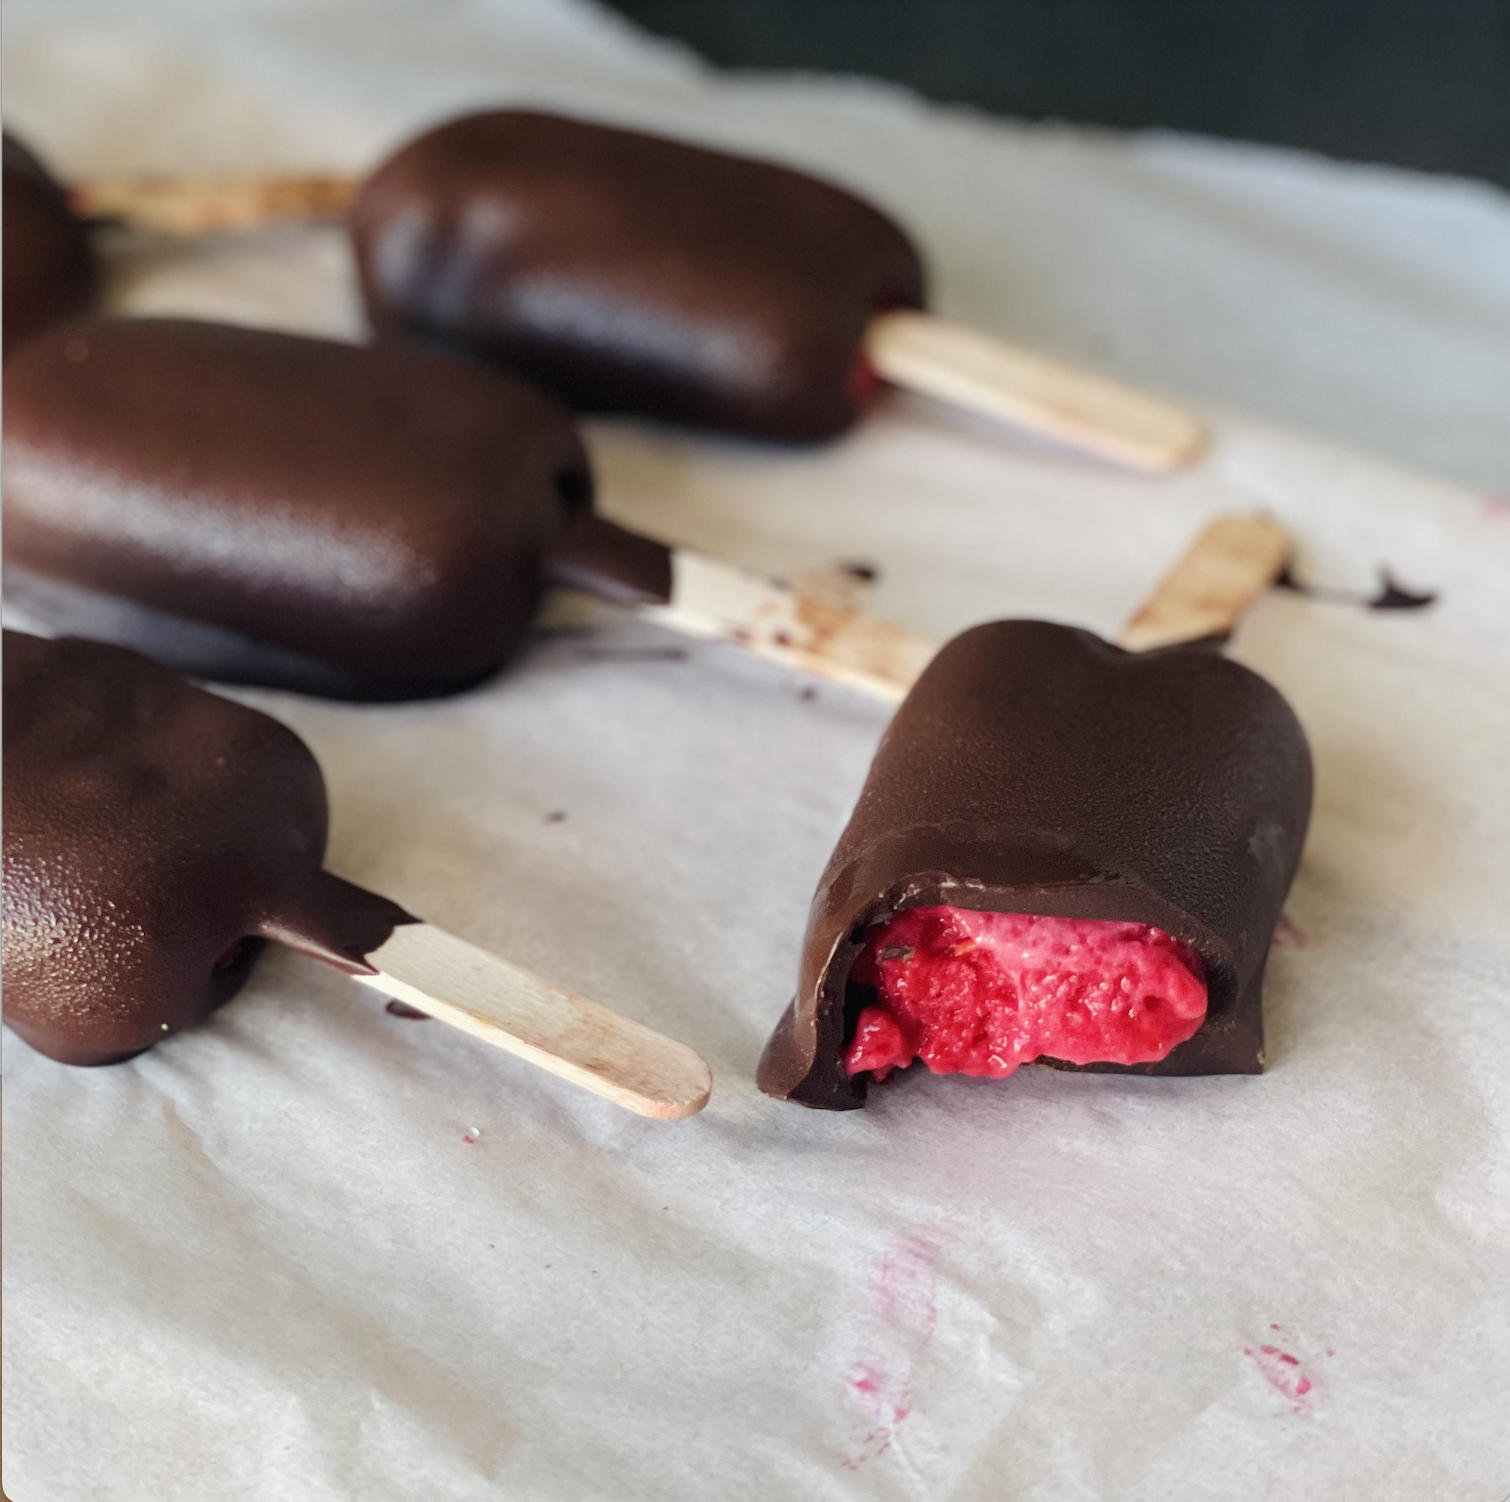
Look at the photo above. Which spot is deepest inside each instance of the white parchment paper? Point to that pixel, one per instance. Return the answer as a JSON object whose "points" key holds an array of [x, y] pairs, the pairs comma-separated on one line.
{"points": [[315, 1252]]}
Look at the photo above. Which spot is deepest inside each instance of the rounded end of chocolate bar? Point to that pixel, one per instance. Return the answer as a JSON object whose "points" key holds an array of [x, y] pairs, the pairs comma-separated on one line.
{"points": [[49, 264], [95, 1039]]}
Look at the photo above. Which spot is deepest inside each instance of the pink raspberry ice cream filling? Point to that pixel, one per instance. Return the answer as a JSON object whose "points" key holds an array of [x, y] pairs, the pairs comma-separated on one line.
{"points": [[981, 993], [863, 383]]}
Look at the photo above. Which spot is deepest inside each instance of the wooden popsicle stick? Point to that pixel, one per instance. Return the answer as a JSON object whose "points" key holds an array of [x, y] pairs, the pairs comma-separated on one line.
{"points": [[1228, 567], [720, 602], [1224, 571], [577, 1039], [199, 205], [984, 374]]}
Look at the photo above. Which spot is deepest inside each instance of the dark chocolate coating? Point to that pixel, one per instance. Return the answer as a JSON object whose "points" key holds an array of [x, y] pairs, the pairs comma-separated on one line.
{"points": [[629, 273], [155, 837], [255, 507], [50, 270], [1035, 768]]}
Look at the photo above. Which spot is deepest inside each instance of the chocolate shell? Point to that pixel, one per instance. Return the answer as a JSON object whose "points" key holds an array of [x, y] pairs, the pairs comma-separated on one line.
{"points": [[259, 507], [1035, 768], [625, 272], [50, 270], [156, 836]]}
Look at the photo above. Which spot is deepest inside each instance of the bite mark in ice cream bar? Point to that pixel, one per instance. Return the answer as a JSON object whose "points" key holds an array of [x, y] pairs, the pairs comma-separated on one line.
{"points": [[157, 837], [981, 993]]}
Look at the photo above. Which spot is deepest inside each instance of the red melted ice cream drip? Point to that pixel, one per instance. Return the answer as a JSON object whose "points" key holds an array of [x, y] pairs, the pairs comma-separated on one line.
{"points": [[981, 993]]}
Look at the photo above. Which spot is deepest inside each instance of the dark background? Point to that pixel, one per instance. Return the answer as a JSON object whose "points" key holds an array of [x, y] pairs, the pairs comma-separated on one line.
{"points": [[1420, 83]]}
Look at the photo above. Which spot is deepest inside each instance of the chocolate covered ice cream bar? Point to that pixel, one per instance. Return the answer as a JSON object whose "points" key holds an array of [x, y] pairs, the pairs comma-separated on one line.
{"points": [[260, 507], [366, 523], [1065, 852], [628, 272], [50, 270], [158, 837]]}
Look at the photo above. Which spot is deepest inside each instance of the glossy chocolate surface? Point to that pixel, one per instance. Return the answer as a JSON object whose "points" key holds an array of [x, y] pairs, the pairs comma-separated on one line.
{"points": [[1035, 768], [256, 507], [626, 272], [50, 270], [156, 836]]}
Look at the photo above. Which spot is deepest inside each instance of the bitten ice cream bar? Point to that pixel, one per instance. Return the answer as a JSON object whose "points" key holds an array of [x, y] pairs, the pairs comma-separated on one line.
{"points": [[157, 837], [1064, 853]]}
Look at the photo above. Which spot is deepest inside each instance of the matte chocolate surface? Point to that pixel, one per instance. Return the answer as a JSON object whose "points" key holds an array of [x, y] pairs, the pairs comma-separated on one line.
{"points": [[155, 837], [1035, 768], [257, 507], [50, 270], [630, 273]]}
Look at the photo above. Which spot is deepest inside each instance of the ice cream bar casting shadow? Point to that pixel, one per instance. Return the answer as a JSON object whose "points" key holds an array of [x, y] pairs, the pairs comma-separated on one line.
{"points": [[1065, 852], [158, 836], [627, 272]]}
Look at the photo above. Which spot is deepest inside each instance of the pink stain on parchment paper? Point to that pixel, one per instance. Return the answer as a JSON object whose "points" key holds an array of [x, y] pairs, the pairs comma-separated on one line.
{"points": [[1285, 1373], [896, 1323]]}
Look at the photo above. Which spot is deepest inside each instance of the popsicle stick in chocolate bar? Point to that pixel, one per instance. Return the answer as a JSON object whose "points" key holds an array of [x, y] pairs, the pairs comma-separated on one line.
{"points": [[204, 204], [632, 273], [1234, 561], [982, 373], [369, 523], [778, 621], [158, 837], [553, 1028]]}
